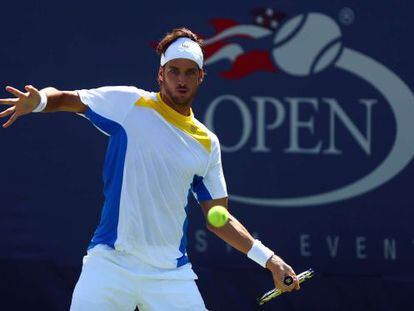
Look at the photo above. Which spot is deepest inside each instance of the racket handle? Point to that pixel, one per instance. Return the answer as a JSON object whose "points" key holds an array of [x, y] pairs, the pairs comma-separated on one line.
{"points": [[288, 280]]}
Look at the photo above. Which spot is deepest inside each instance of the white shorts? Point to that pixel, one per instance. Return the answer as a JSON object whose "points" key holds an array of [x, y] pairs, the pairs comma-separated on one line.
{"points": [[115, 281]]}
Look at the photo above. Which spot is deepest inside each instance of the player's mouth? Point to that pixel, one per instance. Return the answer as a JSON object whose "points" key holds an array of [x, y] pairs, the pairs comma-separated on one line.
{"points": [[182, 90]]}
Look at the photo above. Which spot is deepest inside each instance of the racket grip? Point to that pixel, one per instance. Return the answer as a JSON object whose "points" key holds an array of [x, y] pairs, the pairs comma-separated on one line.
{"points": [[288, 280]]}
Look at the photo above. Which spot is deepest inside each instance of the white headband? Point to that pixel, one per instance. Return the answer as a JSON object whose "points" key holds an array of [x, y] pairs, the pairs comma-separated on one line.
{"points": [[183, 48]]}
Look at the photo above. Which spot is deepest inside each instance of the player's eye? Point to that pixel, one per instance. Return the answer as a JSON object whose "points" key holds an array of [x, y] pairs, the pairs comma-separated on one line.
{"points": [[191, 72], [174, 70]]}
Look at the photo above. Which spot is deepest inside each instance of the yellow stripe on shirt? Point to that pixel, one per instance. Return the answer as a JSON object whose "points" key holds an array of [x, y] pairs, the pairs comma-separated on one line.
{"points": [[184, 123]]}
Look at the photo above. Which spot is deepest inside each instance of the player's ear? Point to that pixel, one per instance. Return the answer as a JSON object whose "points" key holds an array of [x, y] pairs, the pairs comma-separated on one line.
{"points": [[160, 72], [201, 76]]}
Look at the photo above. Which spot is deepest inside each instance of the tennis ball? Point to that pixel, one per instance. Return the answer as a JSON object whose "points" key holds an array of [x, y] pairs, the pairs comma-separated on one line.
{"points": [[307, 44], [218, 216]]}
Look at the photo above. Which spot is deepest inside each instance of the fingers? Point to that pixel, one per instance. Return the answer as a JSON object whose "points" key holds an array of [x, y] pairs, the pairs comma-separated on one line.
{"points": [[9, 122], [289, 288], [7, 112], [15, 92], [31, 89], [286, 286], [8, 101], [296, 283]]}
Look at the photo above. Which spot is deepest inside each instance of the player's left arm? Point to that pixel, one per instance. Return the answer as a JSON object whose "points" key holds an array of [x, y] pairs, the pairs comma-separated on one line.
{"points": [[236, 235]]}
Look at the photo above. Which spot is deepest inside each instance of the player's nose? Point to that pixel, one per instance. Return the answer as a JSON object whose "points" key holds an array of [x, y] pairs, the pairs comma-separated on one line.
{"points": [[180, 78], [181, 82]]}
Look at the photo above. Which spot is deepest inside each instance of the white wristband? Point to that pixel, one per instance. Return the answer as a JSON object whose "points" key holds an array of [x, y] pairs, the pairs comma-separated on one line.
{"points": [[260, 253], [42, 104]]}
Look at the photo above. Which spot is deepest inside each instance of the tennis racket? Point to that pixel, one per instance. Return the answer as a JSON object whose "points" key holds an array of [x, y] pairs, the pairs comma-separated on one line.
{"points": [[306, 275]]}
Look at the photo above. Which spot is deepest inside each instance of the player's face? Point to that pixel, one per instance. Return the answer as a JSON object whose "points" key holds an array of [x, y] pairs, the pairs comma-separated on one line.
{"points": [[180, 79]]}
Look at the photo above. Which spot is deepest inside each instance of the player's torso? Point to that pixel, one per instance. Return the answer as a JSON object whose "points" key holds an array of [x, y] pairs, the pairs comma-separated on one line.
{"points": [[161, 162]]}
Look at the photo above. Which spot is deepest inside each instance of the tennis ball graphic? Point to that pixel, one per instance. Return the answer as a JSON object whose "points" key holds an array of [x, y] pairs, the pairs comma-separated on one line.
{"points": [[307, 44]]}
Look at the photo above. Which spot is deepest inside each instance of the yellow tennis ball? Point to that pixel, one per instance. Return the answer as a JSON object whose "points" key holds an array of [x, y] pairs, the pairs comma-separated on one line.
{"points": [[218, 216]]}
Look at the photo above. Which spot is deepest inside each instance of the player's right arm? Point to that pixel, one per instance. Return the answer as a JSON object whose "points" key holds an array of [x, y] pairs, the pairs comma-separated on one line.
{"points": [[25, 103]]}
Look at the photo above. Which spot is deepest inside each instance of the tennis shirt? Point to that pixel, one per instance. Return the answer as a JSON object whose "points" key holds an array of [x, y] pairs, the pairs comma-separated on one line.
{"points": [[155, 159]]}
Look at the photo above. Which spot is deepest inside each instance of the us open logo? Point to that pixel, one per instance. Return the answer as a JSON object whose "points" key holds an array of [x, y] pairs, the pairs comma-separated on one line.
{"points": [[304, 47]]}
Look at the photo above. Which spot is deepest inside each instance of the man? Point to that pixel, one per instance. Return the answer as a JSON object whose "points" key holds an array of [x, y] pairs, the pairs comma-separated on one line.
{"points": [[157, 154]]}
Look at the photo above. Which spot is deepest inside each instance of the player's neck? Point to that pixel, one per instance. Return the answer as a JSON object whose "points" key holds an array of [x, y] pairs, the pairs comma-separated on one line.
{"points": [[185, 110]]}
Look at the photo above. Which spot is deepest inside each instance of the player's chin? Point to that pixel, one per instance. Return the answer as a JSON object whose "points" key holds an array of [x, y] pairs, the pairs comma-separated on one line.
{"points": [[183, 97]]}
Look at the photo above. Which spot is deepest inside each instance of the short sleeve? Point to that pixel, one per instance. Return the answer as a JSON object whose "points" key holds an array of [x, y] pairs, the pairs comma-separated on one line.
{"points": [[110, 102], [213, 184]]}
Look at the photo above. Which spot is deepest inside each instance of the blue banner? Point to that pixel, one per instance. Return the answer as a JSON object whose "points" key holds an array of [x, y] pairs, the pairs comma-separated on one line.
{"points": [[313, 104]]}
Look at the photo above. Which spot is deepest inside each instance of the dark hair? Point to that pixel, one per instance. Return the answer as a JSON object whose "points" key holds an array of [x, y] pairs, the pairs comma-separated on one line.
{"points": [[173, 35]]}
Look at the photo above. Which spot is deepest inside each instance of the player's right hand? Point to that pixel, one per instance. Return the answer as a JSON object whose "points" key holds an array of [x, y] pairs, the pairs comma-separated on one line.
{"points": [[23, 103], [280, 270]]}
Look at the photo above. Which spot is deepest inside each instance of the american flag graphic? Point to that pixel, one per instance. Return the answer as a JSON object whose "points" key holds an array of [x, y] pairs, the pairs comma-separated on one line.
{"points": [[222, 45]]}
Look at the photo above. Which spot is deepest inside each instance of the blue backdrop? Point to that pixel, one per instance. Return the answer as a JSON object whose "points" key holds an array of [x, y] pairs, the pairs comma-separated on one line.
{"points": [[312, 101]]}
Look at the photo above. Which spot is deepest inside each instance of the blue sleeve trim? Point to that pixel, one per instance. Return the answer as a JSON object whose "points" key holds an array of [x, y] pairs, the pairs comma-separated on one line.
{"points": [[200, 189], [106, 125]]}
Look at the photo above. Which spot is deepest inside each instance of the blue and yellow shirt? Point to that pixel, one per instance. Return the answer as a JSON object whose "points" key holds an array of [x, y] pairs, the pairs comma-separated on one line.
{"points": [[155, 158]]}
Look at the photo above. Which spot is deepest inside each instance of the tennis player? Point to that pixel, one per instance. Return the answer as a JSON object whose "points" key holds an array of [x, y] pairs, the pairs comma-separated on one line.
{"points": [[158, 154]]}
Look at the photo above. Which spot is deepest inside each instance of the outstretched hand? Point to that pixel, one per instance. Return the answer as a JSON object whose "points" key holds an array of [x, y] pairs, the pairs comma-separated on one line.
{"points": [[23, 103]]}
